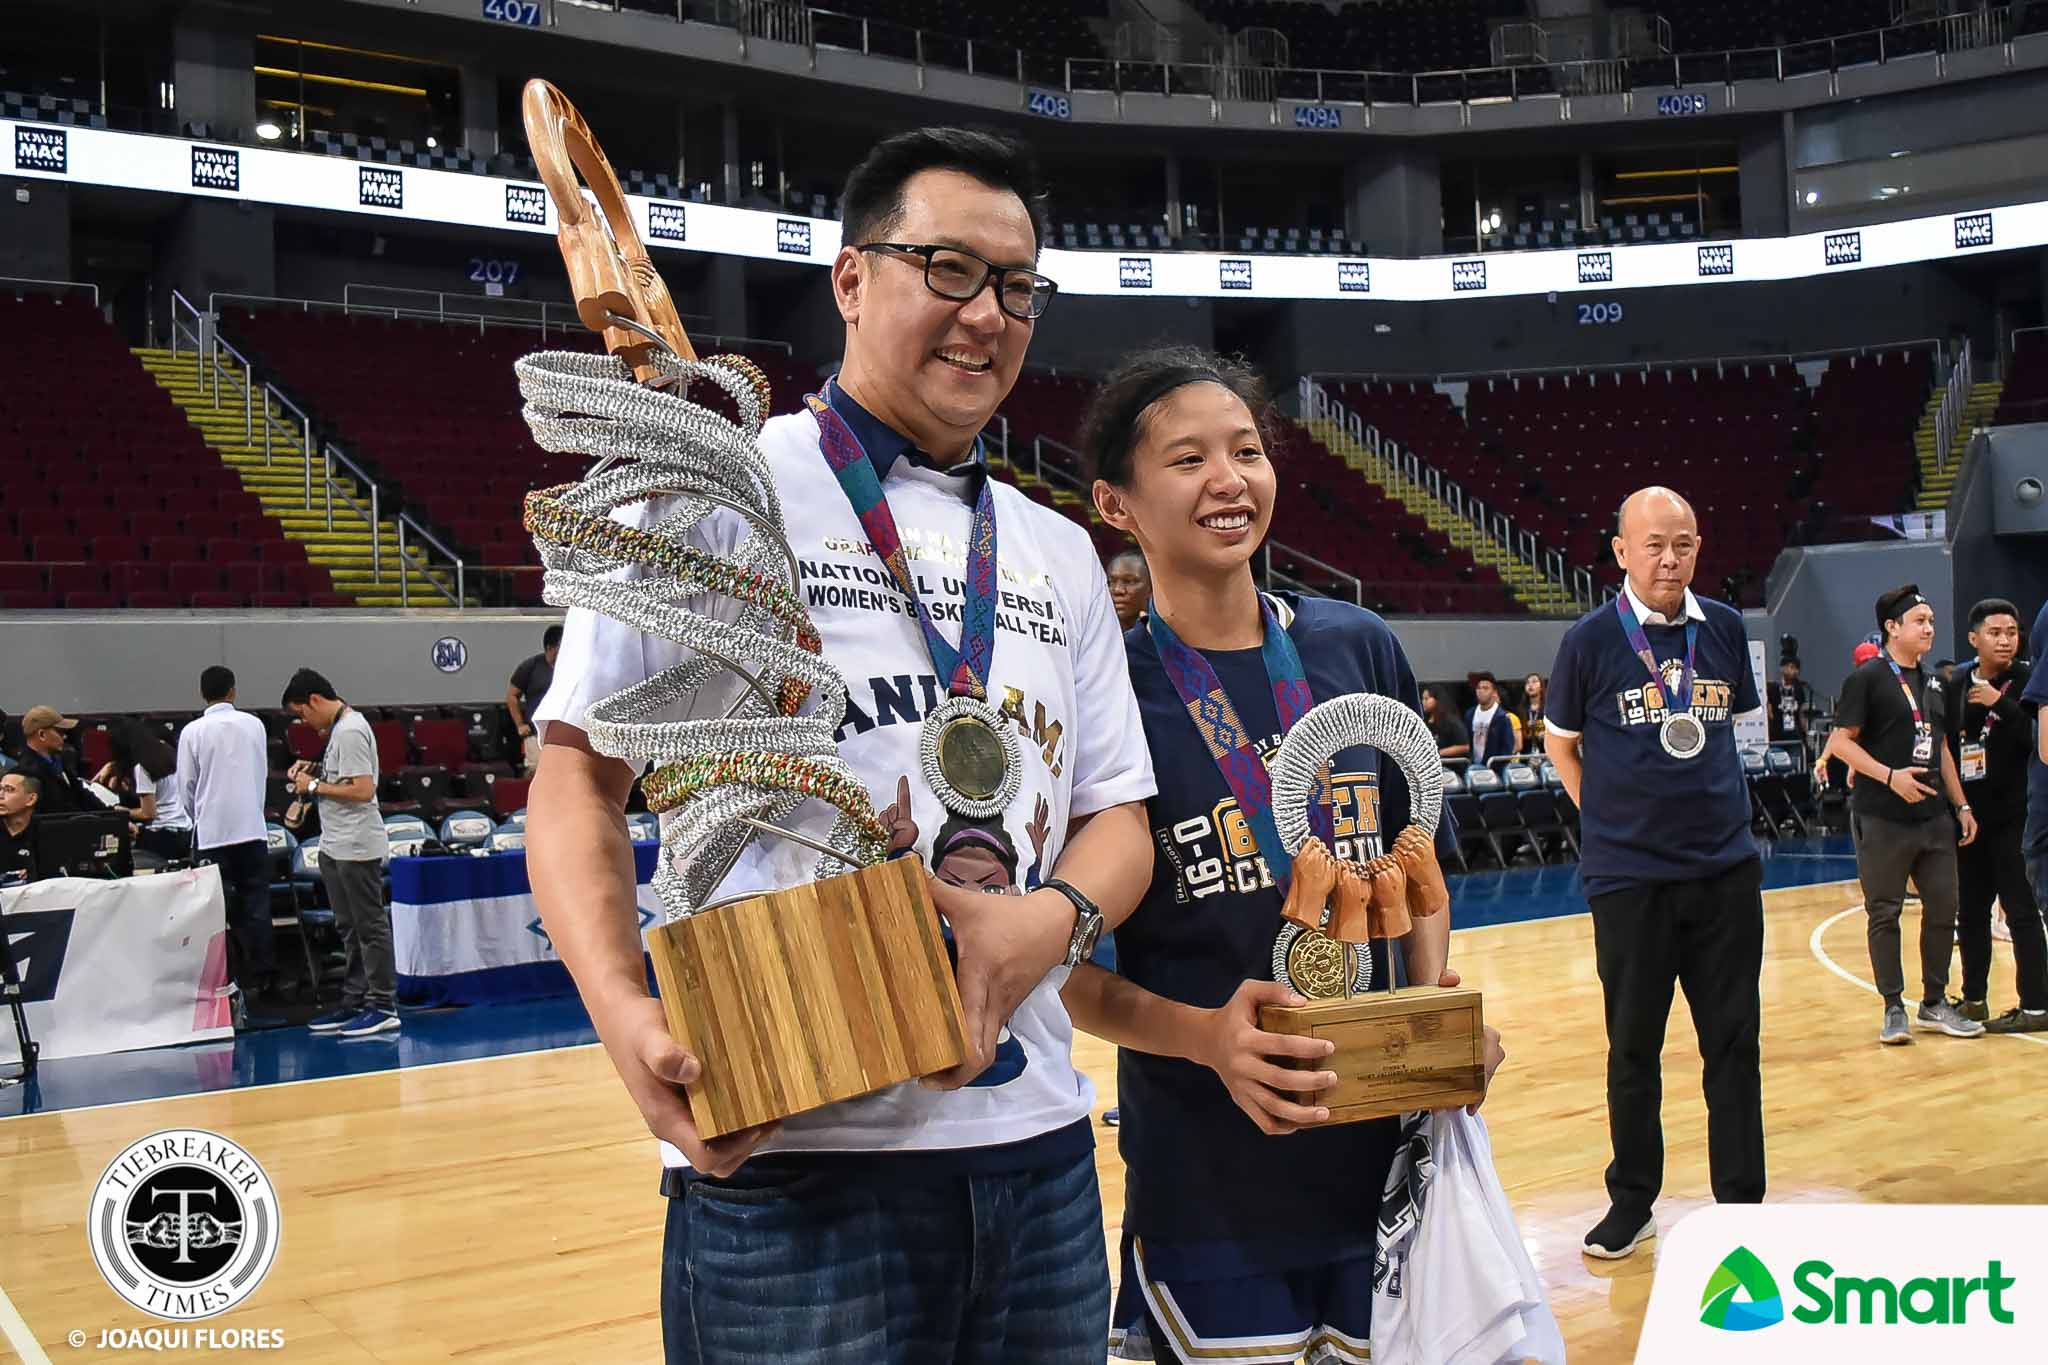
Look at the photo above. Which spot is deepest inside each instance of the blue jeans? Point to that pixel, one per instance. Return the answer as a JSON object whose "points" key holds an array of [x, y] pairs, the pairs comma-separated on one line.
{"points": [[790, 1261]]}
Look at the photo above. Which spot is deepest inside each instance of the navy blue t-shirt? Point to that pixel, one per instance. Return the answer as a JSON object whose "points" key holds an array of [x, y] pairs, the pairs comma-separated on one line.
{"points": [[2033, 699], [1646, 816], [1197, 1169]]}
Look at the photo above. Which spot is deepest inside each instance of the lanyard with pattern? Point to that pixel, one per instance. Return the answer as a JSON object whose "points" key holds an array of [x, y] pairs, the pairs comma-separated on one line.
{"points": [[1640, 643], [965, 669], [1232, 745]]}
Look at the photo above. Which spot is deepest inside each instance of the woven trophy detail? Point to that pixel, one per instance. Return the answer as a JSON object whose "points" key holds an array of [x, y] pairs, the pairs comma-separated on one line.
{"points": [[1355, 902]]}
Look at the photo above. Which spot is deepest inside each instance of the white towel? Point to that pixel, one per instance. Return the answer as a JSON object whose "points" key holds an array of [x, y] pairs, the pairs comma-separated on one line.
{"points": [[1452, 1284]]}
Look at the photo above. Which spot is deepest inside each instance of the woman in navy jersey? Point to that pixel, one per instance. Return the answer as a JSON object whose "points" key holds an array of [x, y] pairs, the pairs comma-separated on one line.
{"points": [[1248, 1228]]}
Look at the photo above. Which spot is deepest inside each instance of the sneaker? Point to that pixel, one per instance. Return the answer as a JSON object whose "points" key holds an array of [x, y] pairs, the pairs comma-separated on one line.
{"points": [[1946, 1018], [369, 1022], [2017, 1020], [1894, 1031], [1973, 1009], [1618, 1234], [333, 1019], [1111, 1118]]}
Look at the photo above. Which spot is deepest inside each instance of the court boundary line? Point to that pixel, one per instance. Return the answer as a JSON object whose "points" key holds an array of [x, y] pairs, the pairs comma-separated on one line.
{"points": [[305, 1080], [14, 1327], [1813, 943]]}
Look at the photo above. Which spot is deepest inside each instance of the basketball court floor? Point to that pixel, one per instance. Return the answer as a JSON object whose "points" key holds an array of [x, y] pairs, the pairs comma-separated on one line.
{"points": [[481, 1188]]}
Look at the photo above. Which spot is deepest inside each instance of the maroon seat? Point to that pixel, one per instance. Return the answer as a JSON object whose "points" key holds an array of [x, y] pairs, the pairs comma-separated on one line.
{"points": [[51, 549], [89, 601], [219, 601], [27, 601], [155, 601], [186, 579], [69, 578]]}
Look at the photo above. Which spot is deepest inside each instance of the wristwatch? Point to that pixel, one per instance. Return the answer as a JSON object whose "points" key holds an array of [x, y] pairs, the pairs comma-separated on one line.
{"points": [[1087, 922]]}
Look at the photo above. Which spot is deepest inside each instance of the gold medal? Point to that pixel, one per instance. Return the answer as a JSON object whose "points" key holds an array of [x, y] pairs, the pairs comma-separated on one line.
{"points": [[970, 758], [1319, 967]]}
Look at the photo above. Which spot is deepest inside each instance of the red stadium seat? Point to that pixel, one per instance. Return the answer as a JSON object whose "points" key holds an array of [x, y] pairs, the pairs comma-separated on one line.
{"points": [[508, 795]]}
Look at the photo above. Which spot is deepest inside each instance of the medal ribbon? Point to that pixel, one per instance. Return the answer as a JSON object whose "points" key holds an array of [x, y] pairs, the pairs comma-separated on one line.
{"points": [[1232, 745], [1640, 643], [965, 669]]}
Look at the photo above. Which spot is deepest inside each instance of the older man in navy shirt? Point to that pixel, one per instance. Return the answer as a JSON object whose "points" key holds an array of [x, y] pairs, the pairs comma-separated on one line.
{"points": [[1643, 700]]}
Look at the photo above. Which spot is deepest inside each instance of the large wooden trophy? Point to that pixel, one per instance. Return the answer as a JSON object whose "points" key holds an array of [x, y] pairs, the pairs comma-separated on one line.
{"points": [[1419, 1047], [796, 998]]}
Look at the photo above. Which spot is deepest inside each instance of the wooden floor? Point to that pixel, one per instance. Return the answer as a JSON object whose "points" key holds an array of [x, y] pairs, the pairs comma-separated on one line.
{"points": [[505, 1210]]}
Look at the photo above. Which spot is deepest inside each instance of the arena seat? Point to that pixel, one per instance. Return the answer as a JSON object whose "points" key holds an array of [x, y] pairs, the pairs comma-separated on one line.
{"points": [[135, 478], [1558, 452]]}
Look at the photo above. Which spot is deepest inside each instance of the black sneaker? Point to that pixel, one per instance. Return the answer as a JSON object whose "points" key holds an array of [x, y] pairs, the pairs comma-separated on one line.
{"points": [[1111, 1118], [1619, 1234], [2017, 1020]]}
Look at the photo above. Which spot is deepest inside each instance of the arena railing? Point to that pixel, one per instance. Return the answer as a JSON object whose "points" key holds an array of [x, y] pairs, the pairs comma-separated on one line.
{"points": [[19, 284], [1955, 401], [555, 318], [1720, 364], [1496, 525], [814, 27]]}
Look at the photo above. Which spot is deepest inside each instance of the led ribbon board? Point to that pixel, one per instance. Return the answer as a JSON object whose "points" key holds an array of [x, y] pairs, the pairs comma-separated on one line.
{"points": [[270, 175]]}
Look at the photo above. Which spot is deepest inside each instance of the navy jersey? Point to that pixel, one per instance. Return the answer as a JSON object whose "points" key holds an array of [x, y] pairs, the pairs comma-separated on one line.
{"points": [[1199, 1170], [1649, 817]]}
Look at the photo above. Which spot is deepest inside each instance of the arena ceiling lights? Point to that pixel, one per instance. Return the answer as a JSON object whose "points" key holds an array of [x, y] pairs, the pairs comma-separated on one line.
{"points": [[268, 175]]}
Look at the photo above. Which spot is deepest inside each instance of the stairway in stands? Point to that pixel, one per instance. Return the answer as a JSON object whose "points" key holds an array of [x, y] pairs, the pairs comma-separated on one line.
{"points": [[1936, 481], [345, 549], [1529, 586]]}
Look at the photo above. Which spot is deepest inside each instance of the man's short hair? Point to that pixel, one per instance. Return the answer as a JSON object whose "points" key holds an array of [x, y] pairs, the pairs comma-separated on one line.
{"points": [[1989, 607], [29, 783], [871, 205], [551, 637], [1482, 676], [306, 684], [215, 682]]}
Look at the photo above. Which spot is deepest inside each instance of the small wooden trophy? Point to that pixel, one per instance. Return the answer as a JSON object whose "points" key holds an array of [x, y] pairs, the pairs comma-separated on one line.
{"points": [[798, 998], [1422, 1047]]}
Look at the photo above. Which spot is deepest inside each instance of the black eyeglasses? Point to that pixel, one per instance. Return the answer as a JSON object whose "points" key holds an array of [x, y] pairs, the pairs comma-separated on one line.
{"points": [[959, 275]]}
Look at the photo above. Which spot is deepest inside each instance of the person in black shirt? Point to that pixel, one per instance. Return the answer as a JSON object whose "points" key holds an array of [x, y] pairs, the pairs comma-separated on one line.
{"points": [[1791, 705], [1991, 741], [530, 683], [1886, 727], [1535, 702], [44, 757], [19, 794], [1453, 740]]}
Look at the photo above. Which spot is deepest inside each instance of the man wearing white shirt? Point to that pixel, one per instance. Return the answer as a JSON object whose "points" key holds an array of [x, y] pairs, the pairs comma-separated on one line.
{"points": [[1643, 702], [221, 767], [956, 1220]]}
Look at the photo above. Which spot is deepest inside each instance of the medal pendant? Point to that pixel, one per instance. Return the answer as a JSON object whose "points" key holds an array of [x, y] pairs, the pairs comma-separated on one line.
{"points": [[1682, 735], [970, 758], [1318, 967]]}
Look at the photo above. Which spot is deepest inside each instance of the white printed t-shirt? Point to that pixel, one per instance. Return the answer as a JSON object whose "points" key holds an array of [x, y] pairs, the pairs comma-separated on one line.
{"points": [[1058, 673]]}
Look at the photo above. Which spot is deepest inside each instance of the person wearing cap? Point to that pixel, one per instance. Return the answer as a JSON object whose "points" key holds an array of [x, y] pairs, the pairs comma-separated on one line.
{"points": [[1644, 698], [1991, 742], [1888, 725], [44, 757]]}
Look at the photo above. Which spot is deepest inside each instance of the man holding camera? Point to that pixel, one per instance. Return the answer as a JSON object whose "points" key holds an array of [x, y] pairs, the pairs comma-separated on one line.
{"points": [[352, 850]]}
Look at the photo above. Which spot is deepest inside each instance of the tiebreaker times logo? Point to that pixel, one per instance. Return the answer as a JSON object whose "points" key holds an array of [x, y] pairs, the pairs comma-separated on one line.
{"points": [[184, 1224]]}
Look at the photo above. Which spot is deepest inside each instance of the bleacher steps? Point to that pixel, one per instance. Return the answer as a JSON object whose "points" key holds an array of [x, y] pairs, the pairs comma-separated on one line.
{"points": [[342, 547], [1936, 483], [1530, 587]]}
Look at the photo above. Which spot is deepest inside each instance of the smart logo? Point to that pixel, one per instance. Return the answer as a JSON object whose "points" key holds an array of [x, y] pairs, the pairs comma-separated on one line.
{"points": [[1742, 1296], [1740, 1272]]}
